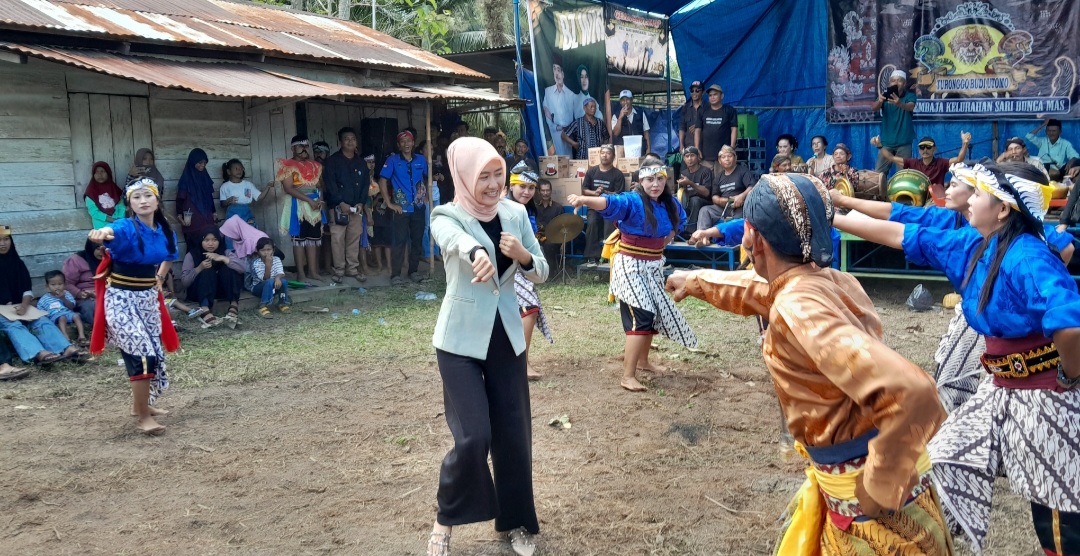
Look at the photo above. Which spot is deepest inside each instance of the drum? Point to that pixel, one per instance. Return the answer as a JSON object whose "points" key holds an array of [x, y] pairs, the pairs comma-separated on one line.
{"points": [[842, 185], [909, 187], [869, 184]]}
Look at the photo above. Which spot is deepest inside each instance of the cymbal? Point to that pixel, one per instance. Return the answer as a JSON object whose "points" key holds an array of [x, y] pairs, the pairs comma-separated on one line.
{"points": [[563, 228]]}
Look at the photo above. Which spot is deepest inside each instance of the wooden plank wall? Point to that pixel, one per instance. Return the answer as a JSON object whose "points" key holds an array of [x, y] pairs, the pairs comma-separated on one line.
{"points": [[272, 130], [324, 119]]}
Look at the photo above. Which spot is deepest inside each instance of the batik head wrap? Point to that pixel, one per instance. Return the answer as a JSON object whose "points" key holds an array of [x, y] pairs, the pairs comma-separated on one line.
{"points": [[1025, 196], [521, 174], [794, 213], [653, 170], [467, 158]]}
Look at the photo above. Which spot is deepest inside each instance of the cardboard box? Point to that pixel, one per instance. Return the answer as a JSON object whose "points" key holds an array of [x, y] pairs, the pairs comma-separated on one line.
{"points": [[562, 187], [577, 168], [594, 156], [554, 167], [628, 165]]}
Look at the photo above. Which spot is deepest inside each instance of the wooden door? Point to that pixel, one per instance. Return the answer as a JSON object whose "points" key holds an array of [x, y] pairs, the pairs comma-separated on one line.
{"points": [[111, 128]]}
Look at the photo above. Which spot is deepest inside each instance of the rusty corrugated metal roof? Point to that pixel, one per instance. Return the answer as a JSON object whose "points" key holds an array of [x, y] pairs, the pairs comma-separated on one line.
{"points": [[219, 79], [459, 92], [225, 25]]}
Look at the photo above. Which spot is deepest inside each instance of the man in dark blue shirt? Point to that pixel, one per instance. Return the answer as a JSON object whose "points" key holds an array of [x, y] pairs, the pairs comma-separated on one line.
{"points": [[346, 179], [402, 182]]}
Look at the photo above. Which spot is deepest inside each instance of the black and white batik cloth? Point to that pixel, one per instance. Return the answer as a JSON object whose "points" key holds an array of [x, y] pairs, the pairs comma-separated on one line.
{"points": [[527, 296], [133, 325], [640, 283], [959, 369], [1029, 436]]}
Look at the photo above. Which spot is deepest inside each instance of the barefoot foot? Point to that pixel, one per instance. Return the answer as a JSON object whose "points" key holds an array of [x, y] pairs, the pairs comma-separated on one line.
{"points": [[154, 412], [148, 425], [533, 375], [632, 384]]}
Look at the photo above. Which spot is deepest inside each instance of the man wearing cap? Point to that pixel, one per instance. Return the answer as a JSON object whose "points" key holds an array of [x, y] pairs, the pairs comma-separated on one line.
{"points": [[934, 168], [719, 126], [346, 181], [1016, 149], [583, 82], [1057, 155], [559, 107], [586, 132], [402, 183], [690, 121], [600, 180], [630, 122], [896, 104], [695, 186]]}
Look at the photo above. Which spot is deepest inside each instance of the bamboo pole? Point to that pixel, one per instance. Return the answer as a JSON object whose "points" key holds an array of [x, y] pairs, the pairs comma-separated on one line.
{"points": [[430, 197]]}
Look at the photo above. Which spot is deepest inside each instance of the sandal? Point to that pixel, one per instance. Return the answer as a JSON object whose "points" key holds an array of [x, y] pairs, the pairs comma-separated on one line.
{"points": [[83, 342], [209, 320], [11, 373], [48, 359], [197, 312], [438, 544], [521, 542], [264, 312]]}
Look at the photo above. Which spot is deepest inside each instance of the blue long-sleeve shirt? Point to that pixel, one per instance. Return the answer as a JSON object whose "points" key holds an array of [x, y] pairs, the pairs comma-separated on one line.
{"points": [[945, 219], [628, 210], [124, 247], [1033, 291]]}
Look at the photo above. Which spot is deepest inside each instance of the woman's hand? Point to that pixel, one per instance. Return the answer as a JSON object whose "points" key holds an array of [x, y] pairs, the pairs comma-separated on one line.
{"points": [[277, 283], [101, 235], [511, 246], [395, 207], [206, 264], [482, 268], [576, 201]]}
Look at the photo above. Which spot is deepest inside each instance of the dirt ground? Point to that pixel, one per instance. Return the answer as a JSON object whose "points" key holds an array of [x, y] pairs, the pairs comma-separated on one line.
{"points": [[342, 457]]}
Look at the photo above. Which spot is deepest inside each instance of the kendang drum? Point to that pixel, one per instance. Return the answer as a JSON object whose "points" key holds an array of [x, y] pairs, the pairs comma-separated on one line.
{"points": [[909, 187], [869, 184]]}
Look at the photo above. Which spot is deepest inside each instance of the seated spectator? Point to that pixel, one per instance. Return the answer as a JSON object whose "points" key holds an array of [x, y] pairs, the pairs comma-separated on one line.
{"points": [[265, 278], [821, 161], [1057, 155], [79, 270], [210, 273], [104, 200], [195, 198], [786, 145], [731, 184], [145, 167], [546, 211], [781, 164], [59, 304], [695, 186], [243, 236], [1016, 150], [236, 193], [520, 154], [840, 169], [7, 371], [45, 344]]}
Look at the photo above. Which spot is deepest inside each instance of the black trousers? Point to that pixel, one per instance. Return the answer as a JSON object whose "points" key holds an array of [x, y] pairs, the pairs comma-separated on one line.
{"points": [[487, 409], [596, 231], [408, 233], [216, 283], [693, 206], [1057, 539]]}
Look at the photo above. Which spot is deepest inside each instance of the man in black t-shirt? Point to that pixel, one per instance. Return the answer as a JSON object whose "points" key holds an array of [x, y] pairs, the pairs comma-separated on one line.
{"points": [[690, 120], [599, 180], [719, 126], [695, 186], [731, 184]]}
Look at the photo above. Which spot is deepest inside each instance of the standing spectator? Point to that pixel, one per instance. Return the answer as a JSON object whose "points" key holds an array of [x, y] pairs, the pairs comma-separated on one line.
{"points": [[935, 168], [1016, 149], [520, 154], [786, 145], [79, 270], [732, 182], [382, 222], [559, 107], [630, 122], [195, 198], [401, 182], [104, 199], [840, 169], [546, 211], [695, 183], [500, 144], [237, 193], [719, 127], [490, 133], [583, 82], [45, 344], [321, 150], [587, 131], [60, 306], [266, 278], [690, 120], [821, 161], [347, 181], [210, 273], [145, 167], [896, 104], [600, 180], [302, 218], [1057, 154], [441, 178]]}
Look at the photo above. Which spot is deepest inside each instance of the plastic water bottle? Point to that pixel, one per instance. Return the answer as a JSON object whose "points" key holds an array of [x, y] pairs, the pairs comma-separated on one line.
{"points": [[382, 321], [356, 312], [361, 291]]}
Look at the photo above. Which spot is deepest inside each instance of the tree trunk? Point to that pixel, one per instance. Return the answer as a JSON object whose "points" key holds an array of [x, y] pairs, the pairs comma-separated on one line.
{"points": [[344, 9], [298, 4], [494, 13]]}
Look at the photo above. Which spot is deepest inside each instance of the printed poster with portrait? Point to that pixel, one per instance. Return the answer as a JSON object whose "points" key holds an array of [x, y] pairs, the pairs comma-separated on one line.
{"points": [[636, 44], [570, 64], [1003, 59]]}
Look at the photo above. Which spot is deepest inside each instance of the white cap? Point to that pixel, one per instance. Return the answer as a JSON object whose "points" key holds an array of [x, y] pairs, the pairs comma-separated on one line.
{"points": [[626, 94], [898, 73]]}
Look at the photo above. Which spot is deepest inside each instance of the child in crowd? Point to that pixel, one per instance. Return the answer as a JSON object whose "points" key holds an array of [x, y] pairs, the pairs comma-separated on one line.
{"points": [[237, 193], [265, 277], [60, 305], [381, 221]]}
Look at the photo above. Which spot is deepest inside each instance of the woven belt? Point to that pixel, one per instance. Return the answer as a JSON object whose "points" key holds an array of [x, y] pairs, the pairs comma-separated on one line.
{"points": [[1024, 364], [123, 282]]}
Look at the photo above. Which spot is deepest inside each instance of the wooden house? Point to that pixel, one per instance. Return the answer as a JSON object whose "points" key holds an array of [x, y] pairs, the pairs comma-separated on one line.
{"points": [[89, 80]]}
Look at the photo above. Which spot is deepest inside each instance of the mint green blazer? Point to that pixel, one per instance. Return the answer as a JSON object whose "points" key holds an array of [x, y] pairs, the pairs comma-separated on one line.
{"points": [[468, 310]]}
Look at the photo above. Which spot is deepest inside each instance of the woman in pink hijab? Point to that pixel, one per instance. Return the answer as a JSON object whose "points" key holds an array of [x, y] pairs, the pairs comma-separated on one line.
{"points": [[480, 346]]}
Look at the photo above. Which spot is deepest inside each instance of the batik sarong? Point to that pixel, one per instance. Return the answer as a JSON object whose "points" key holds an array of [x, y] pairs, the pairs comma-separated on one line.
{"points": [[527, 296], [959, 370], [133, 325], [640, 283]]}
